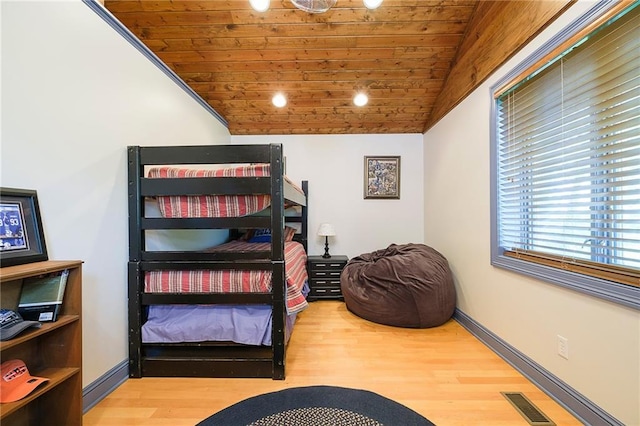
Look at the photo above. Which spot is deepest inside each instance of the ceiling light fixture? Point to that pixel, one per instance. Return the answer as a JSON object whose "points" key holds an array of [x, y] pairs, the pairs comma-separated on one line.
{"points": [[279, 100], [360, 99], [372, 4], [311, 6], [260, 5], [314, 6]]}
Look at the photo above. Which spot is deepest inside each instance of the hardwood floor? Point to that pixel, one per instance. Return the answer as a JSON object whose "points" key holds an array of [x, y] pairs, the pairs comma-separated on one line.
{"points": [[444, 373]]}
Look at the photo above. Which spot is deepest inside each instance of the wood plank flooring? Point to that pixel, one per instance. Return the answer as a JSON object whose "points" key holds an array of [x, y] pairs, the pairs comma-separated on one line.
{"points": [[443, 373]]}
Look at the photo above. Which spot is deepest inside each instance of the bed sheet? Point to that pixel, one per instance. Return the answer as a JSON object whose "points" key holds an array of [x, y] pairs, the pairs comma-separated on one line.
{"points": [[244, 324], [247, 325], [237, 281], [213, 205]]}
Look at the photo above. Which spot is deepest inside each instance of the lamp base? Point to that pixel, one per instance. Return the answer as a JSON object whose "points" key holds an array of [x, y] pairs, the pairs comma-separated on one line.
{"points": [[326, 254]]}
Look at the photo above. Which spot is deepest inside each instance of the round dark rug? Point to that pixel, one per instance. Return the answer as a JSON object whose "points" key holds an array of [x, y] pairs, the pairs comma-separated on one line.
{"points": [[314, 406]]}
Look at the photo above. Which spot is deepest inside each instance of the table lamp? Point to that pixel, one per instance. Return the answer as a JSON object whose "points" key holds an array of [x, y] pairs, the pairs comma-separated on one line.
{"points": [[326, 230]]}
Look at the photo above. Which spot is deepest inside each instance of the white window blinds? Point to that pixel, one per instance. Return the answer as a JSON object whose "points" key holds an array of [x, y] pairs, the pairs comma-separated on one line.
{"points": [[568, 151]]}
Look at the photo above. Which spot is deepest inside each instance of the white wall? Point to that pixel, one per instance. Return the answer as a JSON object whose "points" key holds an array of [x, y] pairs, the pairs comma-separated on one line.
{"points": [[74, 95], [334, 167], [604, 338]]}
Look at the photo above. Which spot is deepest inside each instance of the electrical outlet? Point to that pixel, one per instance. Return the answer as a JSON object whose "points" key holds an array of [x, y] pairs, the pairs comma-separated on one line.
{"points": [[563, 347]]}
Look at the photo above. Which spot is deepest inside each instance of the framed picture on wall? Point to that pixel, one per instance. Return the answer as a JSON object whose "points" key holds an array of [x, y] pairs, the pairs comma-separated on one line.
{"points": [[382, 177], [21, 233]]}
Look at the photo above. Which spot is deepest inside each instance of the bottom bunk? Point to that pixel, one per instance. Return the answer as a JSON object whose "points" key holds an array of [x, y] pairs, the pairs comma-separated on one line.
{"points": [[210, 341], [181, 327]]}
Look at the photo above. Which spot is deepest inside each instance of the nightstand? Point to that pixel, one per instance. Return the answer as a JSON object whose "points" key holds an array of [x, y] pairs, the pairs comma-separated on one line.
{"points": [[324, 276]]}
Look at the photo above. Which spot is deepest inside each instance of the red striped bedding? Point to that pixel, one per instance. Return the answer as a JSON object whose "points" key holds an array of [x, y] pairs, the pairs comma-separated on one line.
{"points": [[235, 281], [213, 205]]}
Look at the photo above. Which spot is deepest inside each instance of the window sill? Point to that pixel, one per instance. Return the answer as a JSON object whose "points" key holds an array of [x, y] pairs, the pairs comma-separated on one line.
{"points": [[622, 294]]}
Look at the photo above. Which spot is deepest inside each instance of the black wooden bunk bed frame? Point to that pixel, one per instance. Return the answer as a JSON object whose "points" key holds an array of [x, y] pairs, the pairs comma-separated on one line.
{"points": [[209, 359]]}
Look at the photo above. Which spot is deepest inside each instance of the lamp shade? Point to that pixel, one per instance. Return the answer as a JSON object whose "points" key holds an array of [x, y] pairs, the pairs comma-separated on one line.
{"points": [[372, 4], [326, 230], [260, 5]]}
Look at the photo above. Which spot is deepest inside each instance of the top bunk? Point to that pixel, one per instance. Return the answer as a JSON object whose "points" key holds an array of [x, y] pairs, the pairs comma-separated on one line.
{"points": [[142, 159], [211, 187]]}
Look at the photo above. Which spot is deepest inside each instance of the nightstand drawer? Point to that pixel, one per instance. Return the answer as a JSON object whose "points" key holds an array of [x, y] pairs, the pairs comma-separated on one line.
{"points": [[332, 292], [326, 274], [329, 265], [326, 283]]}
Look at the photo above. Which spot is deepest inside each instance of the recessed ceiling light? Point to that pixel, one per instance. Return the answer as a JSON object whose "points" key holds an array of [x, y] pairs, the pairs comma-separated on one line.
{"points": [[279, 100], [372, 4], [260, 5], [360, 99]]}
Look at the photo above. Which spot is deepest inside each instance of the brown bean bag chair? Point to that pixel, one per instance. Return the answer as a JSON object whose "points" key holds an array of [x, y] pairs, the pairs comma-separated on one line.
{"points": [[407, 285]]}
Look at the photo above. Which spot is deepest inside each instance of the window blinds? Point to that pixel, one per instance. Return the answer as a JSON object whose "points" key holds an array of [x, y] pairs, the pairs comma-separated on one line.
{"points": [[569, 156]]}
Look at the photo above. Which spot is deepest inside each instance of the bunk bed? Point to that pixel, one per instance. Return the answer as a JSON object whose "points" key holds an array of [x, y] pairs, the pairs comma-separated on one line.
{"points": [[242, 192]]}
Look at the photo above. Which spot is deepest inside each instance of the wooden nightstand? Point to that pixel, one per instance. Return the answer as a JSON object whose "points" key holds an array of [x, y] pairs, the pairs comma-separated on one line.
{"points": [[324, 276]]}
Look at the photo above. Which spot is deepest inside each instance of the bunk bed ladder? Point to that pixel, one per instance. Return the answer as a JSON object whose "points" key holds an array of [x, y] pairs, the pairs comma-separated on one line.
{"points": [[277, 263], [135, 169], [135, 321]]}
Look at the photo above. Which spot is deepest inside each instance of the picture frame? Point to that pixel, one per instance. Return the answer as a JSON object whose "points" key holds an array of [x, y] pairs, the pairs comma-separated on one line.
{"points": [[382, 177], [21, 233]]}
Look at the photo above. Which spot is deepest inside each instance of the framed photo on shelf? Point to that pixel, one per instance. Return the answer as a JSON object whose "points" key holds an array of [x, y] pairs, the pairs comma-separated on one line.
{"points": [[21, 233], [382, 177]]}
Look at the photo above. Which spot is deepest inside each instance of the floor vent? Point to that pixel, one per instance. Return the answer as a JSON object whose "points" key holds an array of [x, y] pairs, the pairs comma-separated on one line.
{"points": [[530, 412]]}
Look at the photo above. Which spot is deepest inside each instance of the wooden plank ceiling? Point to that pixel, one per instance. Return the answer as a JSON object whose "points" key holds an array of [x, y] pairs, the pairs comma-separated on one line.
{"points": [[400, 55]]}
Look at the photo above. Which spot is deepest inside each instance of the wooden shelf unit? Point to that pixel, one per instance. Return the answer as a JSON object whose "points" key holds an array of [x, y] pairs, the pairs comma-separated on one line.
{"points": [[53, 351]]}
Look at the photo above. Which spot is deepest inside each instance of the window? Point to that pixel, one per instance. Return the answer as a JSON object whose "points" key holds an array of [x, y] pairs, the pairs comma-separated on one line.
{"points": [[566, 160]]}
